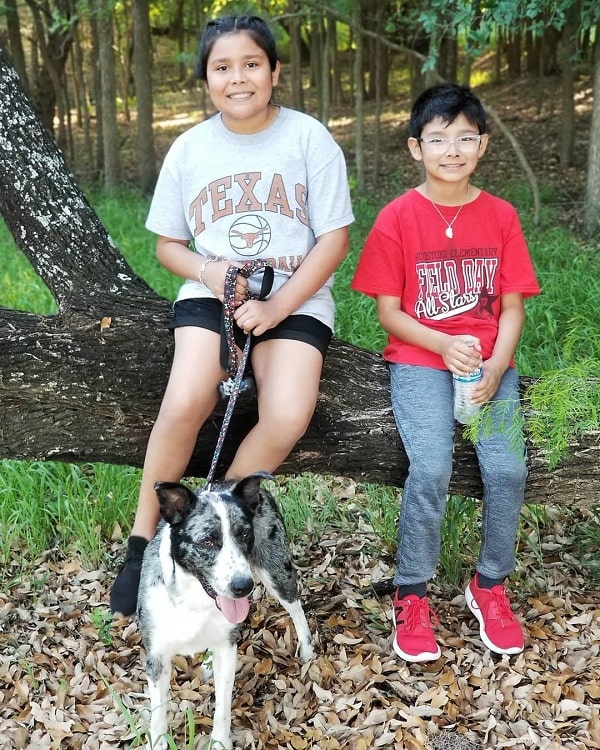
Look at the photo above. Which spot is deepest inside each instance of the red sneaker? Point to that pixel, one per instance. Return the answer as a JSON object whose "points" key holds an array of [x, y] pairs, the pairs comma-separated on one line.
{"points": [[498, 627], [413, 634]]}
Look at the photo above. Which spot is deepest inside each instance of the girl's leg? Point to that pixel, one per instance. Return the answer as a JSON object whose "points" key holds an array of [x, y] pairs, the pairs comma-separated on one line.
{"points": [[502, 461], [190, 397], [287, 374], [422, 402]]}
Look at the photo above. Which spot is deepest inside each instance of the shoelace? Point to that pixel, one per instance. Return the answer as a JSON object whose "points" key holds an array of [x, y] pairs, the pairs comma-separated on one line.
{"points": [[417, 614], [499, 606]]}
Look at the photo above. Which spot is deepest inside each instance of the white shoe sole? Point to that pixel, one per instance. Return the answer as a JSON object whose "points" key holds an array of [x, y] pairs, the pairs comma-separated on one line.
{"points": [[423, 656]]}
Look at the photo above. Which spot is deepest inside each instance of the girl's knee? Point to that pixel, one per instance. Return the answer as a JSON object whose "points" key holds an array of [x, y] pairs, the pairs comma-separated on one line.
{"points": [[288, 425], [180, 410]]}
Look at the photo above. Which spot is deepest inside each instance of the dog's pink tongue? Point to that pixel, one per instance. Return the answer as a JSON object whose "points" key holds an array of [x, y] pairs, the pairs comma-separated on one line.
{"points": [[234, 610]]}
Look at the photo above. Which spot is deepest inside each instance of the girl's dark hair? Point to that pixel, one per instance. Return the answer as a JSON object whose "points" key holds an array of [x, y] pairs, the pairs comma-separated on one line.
{"points": [[447, 101], [252, 25]]}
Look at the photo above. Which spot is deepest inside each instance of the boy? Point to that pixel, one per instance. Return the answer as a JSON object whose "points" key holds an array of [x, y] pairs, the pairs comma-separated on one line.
{"points": [[449, 268]]}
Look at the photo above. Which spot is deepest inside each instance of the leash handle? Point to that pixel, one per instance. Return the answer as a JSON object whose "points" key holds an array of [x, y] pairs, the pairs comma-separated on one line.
{"points": [[229, 356]]}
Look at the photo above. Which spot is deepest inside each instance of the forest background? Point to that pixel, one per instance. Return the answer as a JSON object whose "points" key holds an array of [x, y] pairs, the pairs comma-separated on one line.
{"points": [[114, 84], [92, 64]]}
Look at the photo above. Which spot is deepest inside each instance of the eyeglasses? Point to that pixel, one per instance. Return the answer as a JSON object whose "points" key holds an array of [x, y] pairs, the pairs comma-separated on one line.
{"points": [[465, 143]]}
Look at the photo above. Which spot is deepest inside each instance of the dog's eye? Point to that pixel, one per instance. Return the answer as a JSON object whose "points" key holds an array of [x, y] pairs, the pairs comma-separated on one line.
{"points": [[208, 542], [246, 536]]}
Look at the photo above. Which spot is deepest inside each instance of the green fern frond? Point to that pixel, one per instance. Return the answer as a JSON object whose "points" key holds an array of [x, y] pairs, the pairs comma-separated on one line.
{"points": [[561, 406]]}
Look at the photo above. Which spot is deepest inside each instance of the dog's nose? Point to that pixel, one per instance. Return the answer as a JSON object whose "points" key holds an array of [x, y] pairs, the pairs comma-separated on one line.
{"points": [[241, 585]]}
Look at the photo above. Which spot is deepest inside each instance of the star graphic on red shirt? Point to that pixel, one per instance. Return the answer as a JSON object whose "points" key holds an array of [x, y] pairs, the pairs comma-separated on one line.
{"points": [[486, 302]]}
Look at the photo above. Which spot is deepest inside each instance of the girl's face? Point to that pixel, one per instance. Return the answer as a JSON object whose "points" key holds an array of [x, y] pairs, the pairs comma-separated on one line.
{"points": [[240, 82]]}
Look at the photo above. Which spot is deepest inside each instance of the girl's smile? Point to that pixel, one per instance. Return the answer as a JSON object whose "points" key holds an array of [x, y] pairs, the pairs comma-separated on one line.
{"points": [[240, 83]]}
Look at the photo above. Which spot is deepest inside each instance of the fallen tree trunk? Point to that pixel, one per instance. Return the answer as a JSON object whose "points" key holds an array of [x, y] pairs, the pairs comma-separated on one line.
{"points": [[85, 385], [86, 394]]}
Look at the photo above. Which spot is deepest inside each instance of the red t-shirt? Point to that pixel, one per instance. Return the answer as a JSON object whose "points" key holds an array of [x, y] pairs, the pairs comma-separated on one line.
{"points": [[452, 285]]}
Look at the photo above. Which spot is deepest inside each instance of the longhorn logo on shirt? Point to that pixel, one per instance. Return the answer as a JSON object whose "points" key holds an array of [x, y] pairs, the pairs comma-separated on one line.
{"points": [[250, 235]]}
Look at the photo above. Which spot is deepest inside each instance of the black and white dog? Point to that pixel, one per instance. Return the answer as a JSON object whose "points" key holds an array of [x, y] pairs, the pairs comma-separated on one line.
{"points": [[197, 574]]}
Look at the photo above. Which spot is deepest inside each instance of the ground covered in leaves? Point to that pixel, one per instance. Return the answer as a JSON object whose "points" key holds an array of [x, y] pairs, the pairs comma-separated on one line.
{"points": [[71, 677]]}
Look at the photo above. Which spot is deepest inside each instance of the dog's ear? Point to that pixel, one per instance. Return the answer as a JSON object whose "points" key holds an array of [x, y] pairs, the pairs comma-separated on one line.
{"points": [[249, 487], [175, 500]]}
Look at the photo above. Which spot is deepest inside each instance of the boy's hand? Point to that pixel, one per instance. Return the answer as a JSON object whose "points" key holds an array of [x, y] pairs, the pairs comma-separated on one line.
{"points": [[485, 390], [462, 354]]}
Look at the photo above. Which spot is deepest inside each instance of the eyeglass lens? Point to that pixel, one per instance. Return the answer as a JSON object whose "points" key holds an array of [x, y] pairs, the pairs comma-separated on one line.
{"points": [[464, 143]]}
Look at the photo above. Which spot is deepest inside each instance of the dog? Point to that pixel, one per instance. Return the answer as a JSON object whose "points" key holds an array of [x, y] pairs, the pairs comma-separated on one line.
{"points": [[197, 574]]}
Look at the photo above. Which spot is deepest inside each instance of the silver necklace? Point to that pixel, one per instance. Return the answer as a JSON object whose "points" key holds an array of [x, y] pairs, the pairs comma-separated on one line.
{"points": [[449, 230]]}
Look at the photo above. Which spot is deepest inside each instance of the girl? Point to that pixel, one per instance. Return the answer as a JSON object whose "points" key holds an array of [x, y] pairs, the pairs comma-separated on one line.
{"points": [[256, 181]]}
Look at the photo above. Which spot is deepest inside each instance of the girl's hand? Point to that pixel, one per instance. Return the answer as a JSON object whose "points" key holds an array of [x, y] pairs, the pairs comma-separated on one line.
{"points": [[213, 277], [462, 354], [257, 316]]}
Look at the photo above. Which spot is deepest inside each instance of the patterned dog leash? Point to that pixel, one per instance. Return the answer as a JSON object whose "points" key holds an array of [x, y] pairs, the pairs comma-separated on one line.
{"points": [[236, 367]]}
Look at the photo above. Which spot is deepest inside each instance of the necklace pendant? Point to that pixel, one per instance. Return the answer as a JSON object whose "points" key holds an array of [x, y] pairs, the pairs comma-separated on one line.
{"points": [[449, 233]]}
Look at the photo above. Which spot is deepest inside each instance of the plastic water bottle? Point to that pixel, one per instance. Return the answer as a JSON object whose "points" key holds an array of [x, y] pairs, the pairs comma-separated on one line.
{"points": [[464, 410]]}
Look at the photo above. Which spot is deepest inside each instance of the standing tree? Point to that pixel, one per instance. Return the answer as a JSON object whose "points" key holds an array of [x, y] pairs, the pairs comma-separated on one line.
{"points": [[592, 214], [111, 162], [359, 96], [295, 34], [142, 71], [54, 38], [13, 29]]}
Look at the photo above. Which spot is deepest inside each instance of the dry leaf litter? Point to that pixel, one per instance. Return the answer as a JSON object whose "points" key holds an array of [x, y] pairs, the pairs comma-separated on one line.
{"points": [[71, 677]]}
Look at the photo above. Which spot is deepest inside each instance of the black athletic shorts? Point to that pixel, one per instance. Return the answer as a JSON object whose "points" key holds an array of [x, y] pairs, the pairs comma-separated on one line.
{"points": [[208, 313]]}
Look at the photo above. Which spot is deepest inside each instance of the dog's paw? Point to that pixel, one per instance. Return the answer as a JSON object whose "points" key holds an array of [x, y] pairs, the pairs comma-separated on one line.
{"points": [[307, 652]]}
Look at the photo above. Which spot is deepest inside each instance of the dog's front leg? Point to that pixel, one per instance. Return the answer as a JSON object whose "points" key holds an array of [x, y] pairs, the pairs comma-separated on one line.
{"points": [[296, 612], [159, 680], [285, 590], [224, 662]]}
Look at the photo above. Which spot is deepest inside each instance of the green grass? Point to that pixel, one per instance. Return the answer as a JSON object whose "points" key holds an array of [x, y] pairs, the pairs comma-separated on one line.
{"points": [[124, 214], [79, 507], [75, 507], [20, 287]]}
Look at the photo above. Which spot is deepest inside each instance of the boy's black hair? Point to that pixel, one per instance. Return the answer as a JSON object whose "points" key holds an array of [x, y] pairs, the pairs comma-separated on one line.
{"points": [[447, 101], [255, 26]]}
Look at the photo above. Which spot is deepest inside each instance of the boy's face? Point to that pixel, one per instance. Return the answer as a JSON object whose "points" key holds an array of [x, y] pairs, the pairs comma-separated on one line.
{"points": [[449, 151]]}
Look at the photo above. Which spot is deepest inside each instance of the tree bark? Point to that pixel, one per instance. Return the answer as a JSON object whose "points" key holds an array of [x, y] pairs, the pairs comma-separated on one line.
{"points": [[142, 71], [86, 384], [592, 195], [567, 52], [15, 42], [295, 56], [111, 162], [359, 96]]}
